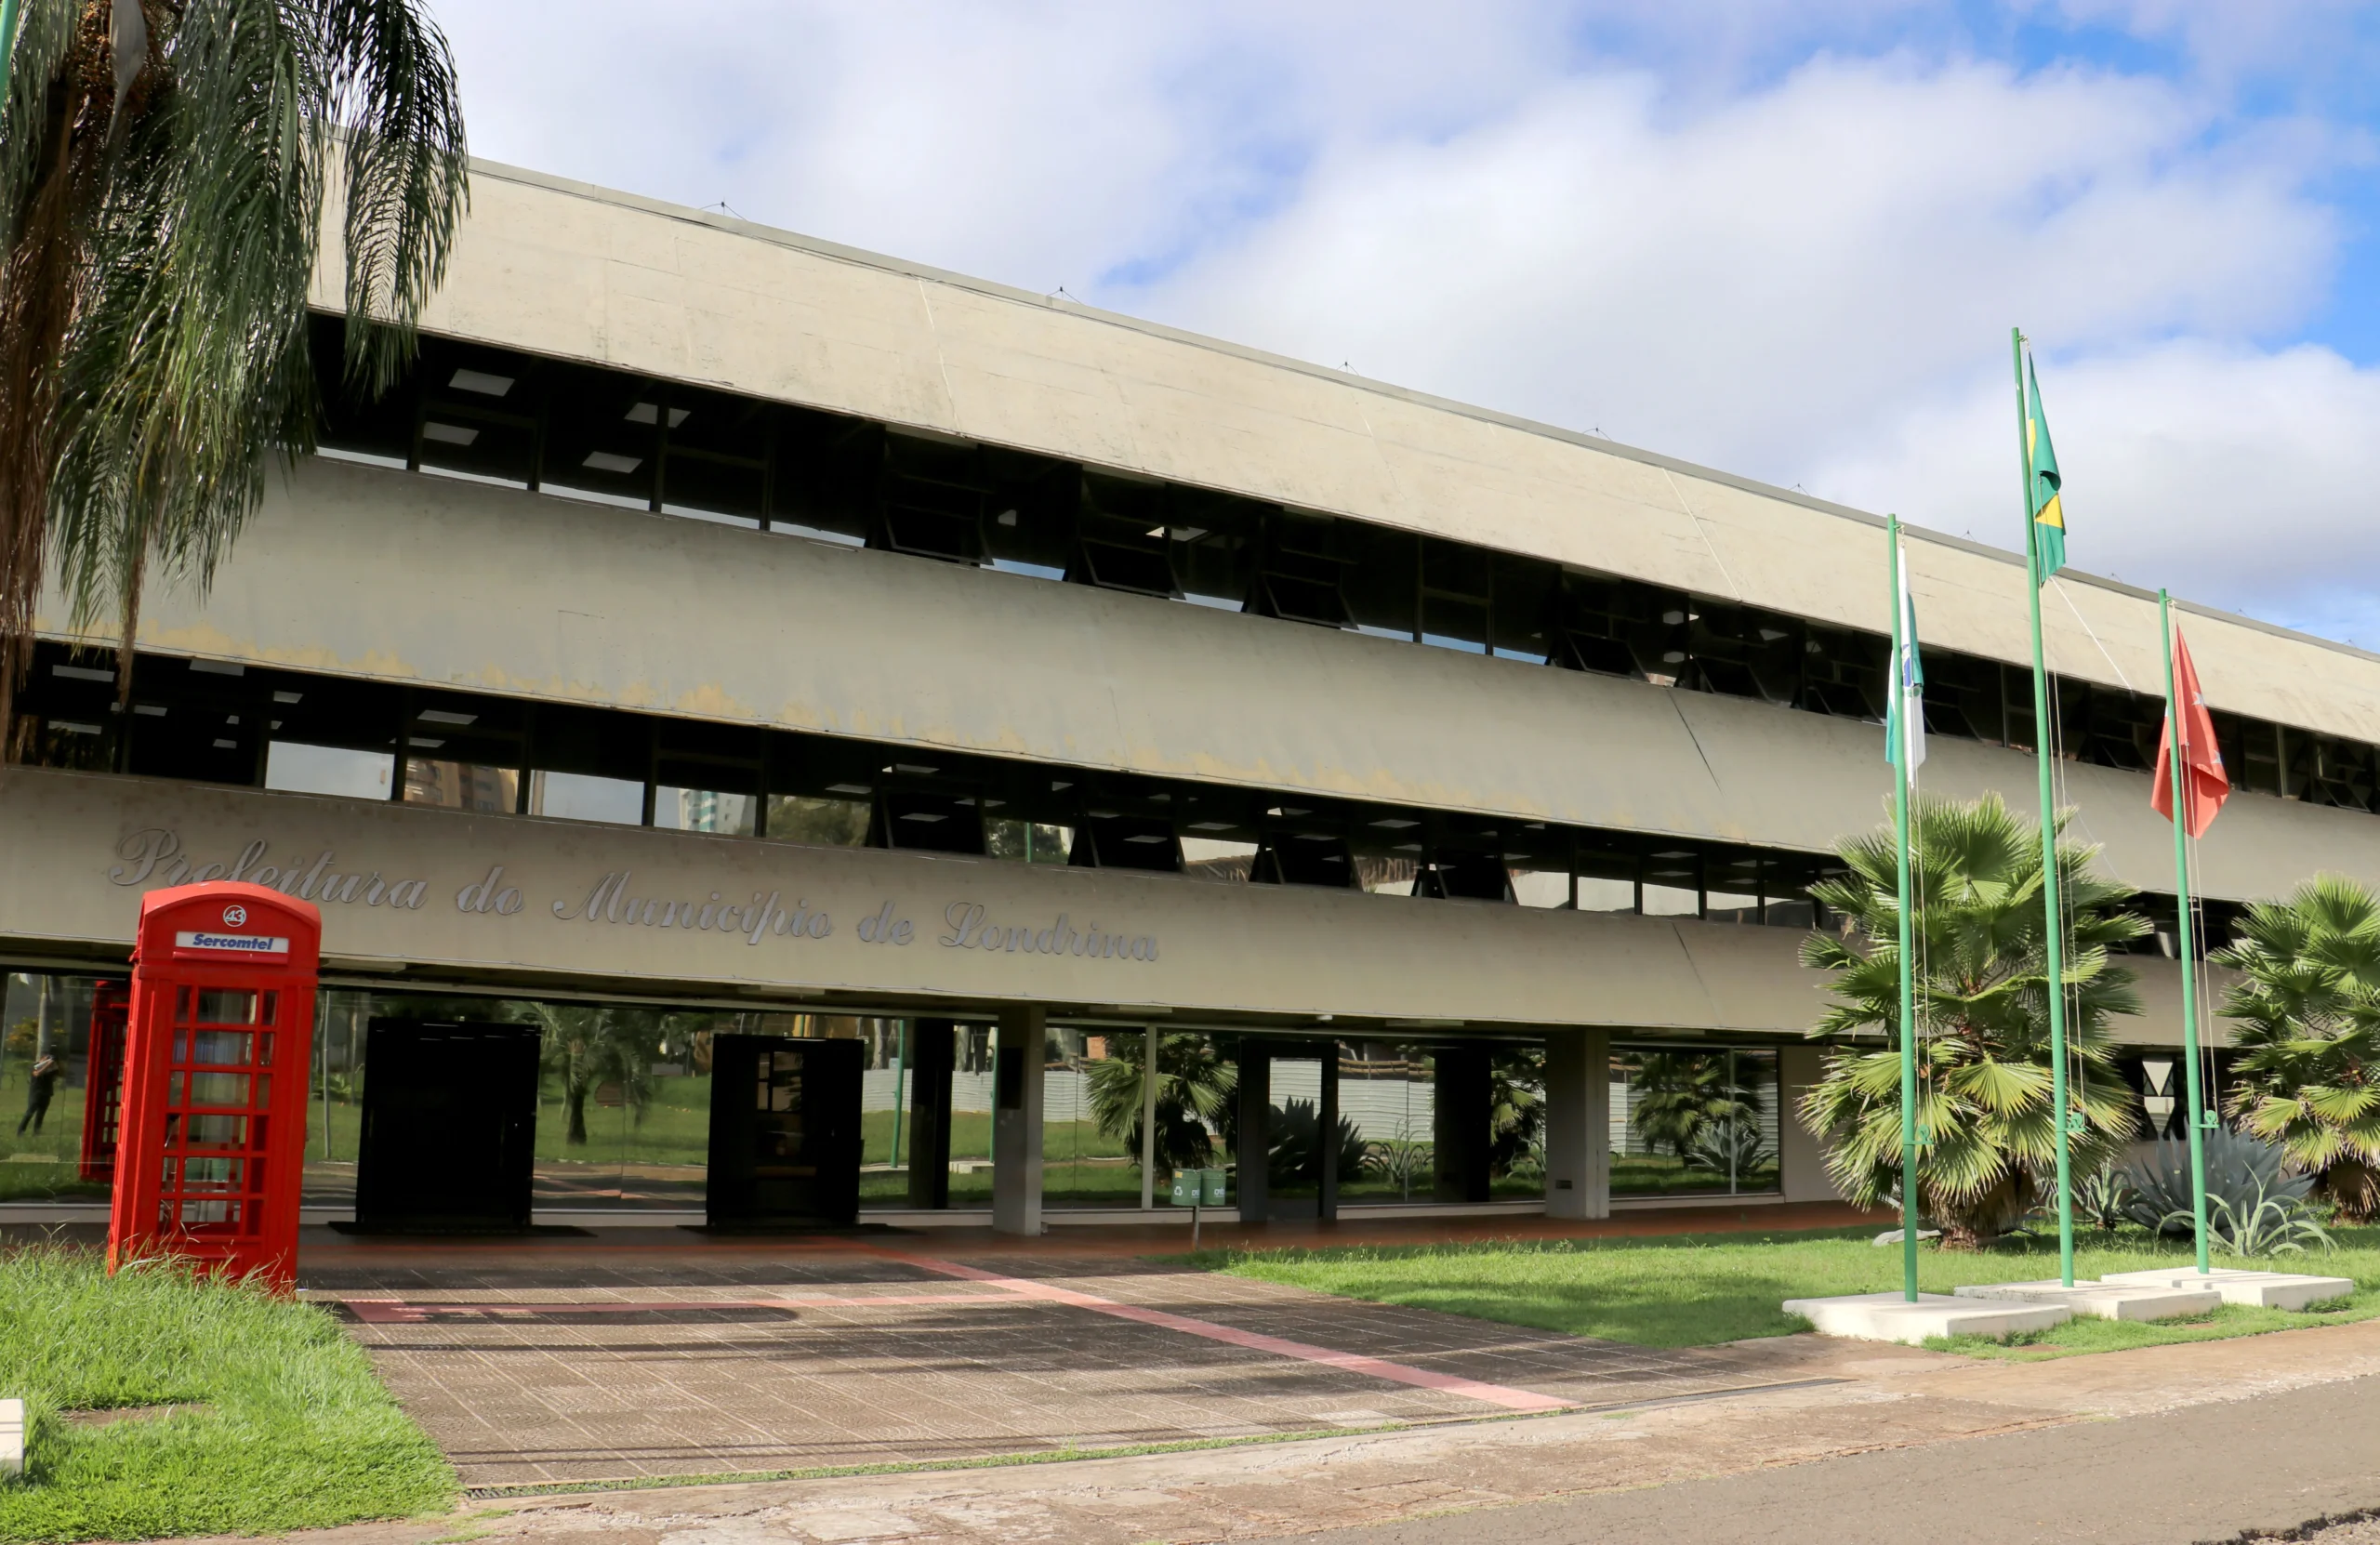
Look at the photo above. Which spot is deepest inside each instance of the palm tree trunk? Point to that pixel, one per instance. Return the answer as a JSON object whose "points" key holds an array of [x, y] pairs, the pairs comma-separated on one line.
{"points": [[37, 288], [575, 1100]]}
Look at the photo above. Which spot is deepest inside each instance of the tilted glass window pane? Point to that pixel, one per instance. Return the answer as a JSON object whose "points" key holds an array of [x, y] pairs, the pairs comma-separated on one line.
{"points": [[327, 769], [821, 823], [1541, 887], [1026, 841], [585, 797], [1211, 859], [461, 785], [704, 809]]}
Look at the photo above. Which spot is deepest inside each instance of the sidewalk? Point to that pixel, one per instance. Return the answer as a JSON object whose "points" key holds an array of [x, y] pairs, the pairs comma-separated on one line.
{"points": [[1879, 1400]]}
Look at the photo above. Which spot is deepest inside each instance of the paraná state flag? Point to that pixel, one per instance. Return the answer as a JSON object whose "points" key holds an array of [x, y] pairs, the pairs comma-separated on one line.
{"points": [[2041, 482], [2205, 783], [1905, 710]]}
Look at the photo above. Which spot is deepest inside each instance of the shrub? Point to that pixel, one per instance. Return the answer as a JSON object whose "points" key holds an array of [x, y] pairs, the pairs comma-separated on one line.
{"points": [[2240, 1174]]}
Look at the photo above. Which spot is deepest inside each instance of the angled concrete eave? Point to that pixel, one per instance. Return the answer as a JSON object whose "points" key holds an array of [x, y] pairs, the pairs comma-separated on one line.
{"points": [[573, 272]]}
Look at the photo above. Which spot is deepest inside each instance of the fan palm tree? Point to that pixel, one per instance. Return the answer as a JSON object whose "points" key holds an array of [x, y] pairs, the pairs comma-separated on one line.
{"points": [[587, 1047], [2307, 1011], [1984, 1124], [1682, 1097], [165, 170], [1193, 1095]]}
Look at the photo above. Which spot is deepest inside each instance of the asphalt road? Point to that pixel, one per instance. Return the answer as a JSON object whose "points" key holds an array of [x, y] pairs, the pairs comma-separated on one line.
{"points": [[2211, 1472]]}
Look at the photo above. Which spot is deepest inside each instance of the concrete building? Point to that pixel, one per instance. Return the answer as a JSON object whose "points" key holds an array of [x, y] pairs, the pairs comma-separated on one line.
{"points": [[723, 630]]}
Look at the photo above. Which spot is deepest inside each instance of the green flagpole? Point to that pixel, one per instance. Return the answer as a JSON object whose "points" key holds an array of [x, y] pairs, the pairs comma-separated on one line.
{"points": [[1899, 734], [2189, 966], [7, 43], [2042, 753]]}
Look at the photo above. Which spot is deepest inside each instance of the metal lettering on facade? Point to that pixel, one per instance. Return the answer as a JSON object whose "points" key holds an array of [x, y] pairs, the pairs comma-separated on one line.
{"points": [[154, 856]]}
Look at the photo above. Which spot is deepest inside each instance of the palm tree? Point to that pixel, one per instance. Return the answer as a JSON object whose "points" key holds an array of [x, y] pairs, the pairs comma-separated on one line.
{"points": [[1193, 1095], [589, 1046], [165, 170], [1682, 1097], [1985, 1123], [2308, 1008]]}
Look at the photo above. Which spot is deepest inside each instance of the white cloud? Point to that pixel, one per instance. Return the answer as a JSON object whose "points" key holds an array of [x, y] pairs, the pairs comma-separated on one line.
{"points": [[2234, 477]]}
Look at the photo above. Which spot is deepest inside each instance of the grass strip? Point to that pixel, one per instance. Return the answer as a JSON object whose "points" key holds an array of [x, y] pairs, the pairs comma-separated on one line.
{"points": [[291, 1429], [1706, 1290]]}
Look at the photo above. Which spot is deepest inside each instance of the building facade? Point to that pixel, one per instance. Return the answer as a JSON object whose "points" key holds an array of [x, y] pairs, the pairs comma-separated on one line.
{"points": [[726, 632]]}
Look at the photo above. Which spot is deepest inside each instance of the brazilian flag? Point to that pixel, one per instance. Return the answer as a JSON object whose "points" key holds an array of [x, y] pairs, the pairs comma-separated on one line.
{"points": [[2041, 483]]}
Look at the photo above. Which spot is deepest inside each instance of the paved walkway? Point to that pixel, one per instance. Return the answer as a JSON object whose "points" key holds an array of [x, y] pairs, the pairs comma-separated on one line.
{"points": [[532, 1368], [2266, 1433]]}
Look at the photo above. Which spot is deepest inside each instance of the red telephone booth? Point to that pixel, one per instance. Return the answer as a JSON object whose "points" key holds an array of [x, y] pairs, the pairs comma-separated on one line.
{"points": [[103, 1079], [211, 1136]]}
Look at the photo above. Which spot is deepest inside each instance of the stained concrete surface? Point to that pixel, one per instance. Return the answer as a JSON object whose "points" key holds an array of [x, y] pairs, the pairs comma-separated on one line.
{"points": [[2269, 1464]]}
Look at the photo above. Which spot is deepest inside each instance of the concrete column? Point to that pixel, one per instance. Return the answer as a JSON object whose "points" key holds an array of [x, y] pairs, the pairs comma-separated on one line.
{"points": [[1255, 1129], [1458, 1124], [933, 1043], [1578, 1123], [1801, 1159], [1325, 1147], [1016, 1121]]}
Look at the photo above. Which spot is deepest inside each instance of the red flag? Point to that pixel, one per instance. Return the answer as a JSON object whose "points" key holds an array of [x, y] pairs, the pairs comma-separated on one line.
{"points": [[2205, 787]]}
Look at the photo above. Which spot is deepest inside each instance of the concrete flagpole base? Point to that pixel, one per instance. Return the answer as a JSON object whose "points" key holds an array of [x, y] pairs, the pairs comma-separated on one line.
{"points": [[1890, 1318], [2107, 1301], [2258, 1290]]}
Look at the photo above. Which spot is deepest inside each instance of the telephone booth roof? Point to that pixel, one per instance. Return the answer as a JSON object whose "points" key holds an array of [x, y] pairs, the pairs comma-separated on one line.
{"points": [[228, 923]]}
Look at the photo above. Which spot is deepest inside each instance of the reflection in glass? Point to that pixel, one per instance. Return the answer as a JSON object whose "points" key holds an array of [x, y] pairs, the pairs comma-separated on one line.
{"points": [[585, 797], [821, 823], [704, 809], [1213, 859], [461, 785], [1082, 1164], [1698, 1121], [1541, 887], [1666, 900], [1026, 841], [327, 769], [226, 1006]]}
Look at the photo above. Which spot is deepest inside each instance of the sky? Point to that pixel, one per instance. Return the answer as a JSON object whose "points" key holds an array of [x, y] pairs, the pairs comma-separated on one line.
{"points": [[1784, 240]]}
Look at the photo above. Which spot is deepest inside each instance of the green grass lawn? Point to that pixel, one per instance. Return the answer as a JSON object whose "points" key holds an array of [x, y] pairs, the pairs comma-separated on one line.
{"points": [[1702, 1290], [289, 1430]]}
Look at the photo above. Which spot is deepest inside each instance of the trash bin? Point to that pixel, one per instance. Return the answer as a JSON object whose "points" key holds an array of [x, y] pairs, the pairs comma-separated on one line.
{"points": [[1186, 1187], [1211, 1187]]}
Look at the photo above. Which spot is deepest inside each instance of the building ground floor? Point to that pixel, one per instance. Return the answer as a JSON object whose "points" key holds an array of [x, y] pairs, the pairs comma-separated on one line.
{"points": [[976, 1035]]}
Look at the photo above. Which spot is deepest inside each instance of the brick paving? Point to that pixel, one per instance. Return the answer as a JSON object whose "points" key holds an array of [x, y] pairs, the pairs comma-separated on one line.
{"points": [[573, 1362]]}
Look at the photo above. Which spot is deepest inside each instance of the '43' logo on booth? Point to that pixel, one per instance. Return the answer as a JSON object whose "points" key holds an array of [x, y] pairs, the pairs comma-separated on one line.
{"points": [[234, 915]]}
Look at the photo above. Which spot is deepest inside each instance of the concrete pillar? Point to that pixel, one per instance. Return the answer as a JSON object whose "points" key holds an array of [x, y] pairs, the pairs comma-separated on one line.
{"points": [[1801, 1159], [1458, 1124], [1578, 1123], [1017, 1120], [1325, 1147], [1255, 1129], [933, 1043]]}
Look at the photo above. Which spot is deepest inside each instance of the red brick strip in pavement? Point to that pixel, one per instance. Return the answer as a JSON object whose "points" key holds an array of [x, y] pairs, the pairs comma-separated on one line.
{"points": [[1377, 1367]]}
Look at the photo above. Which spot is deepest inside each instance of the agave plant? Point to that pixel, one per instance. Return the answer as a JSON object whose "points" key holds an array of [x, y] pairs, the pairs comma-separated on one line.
{"points": [[2105, 1197], [2259, 1224], [1987, 1131], [1729, 1148], [1402, 1163], [2241, 1174]]}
